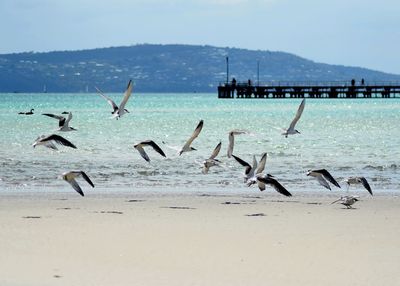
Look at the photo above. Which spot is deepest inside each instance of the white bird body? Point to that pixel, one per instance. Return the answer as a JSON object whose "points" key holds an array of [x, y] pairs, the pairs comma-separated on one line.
{"points": [[187, 147], [291, 130], [72, 175], [120, 110]]}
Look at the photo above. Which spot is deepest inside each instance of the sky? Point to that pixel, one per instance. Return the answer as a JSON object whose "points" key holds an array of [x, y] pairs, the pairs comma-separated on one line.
{"points": [[344, 32]]}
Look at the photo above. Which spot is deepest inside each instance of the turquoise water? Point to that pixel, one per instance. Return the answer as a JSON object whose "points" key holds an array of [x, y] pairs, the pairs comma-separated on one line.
{"points": [[348, 137]]}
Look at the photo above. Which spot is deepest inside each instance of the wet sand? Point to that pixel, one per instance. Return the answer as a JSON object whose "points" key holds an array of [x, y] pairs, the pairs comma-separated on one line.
{"points": [[198, 238]]}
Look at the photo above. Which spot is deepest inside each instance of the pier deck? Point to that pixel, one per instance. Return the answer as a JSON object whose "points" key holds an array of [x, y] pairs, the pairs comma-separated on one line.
{"points": [[309, 90]]}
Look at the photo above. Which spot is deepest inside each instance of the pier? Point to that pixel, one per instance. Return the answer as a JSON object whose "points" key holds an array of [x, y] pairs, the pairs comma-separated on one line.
{"points": [[337, 89]]}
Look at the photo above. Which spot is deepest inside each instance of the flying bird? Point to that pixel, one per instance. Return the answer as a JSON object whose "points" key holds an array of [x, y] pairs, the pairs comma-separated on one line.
{"points": [[140, 147], [27, 113], [48, 141], [187, 147], [347, 201], [207, 164], [271, 181], [358, 180], [71, 176], [120, 110], [63, 123], [323, 176], [291, 130], [231, 138], [252, 172]]}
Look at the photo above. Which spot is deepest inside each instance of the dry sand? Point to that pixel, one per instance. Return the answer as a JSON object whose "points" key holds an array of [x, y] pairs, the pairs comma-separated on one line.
{"points": [[198, 238]]}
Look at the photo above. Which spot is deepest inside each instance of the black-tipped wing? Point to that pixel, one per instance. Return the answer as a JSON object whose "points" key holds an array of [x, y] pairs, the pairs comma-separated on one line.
{"points": [[216, 151], [366, 185], [127, 94], [276, 185], [87, 179], [141, 151], [298, 114], [328, 176], [59, 140], [243, 163], [61, 119], [262, 163], [154, 146], [76, 186], [194, 135], [109, 100]]}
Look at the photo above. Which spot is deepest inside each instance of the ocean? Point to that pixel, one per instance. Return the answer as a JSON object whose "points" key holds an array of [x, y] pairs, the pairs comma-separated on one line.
{"points": [[348, 137]]}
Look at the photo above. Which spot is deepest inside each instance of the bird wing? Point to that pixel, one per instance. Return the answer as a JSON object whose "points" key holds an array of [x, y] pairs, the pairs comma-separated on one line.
{"points": [[243, 163], [216, 151], [61, 119], [231, 138], [366, 185], [194, 135], [328, 176], [261, 185], [261, 166], [298, 114], [59, 140], [109, 100], [87, 179], [142, 152], [154, 146], [127, 94], [276, 185], [68, 119], [76, 186], [323, 182]]}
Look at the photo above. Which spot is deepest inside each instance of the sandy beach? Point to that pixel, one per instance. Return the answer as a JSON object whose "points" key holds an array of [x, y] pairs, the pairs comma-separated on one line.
{"points": [[198, 238]]}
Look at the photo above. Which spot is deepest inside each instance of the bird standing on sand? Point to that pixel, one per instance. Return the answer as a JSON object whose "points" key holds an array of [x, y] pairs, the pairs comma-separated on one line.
{"points": [[358, 180], [70, 178], [27, 113], [187, 147], [63, 123], [140, 147], [120, 110], [323, 176], [231, 138], [48, 141], [207, 164], [291, 130], [347, 201]]}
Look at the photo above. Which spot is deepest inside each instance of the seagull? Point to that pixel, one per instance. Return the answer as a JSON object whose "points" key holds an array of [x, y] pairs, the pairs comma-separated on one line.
{"points": [[70, 178], [62, 121], [231, 138], [270, 180], [120, 110], [347, 201], [212, 161], [291, 130], [27, 113], [322, 177], [187, 147], [140, 147], [358, 180], [251, 173], [48, 141]]}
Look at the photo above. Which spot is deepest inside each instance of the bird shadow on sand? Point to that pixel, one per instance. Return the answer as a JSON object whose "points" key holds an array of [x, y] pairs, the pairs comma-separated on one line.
{"points": [[256, 214], [178, 208]]}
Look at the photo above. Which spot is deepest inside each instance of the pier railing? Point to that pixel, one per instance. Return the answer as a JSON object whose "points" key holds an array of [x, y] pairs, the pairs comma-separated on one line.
{"points": [[310, 89]]}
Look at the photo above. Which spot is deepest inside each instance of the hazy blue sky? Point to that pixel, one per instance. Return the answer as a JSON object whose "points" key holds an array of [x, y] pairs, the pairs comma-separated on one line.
{"points": [[349, 32]]}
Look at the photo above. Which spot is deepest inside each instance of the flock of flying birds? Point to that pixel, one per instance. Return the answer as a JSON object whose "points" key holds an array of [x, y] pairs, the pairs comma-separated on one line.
{"points": [[254, 174]]}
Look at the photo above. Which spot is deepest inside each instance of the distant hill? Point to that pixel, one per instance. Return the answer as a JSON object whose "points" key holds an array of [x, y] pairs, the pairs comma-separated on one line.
{"points": [[162, 68]]}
